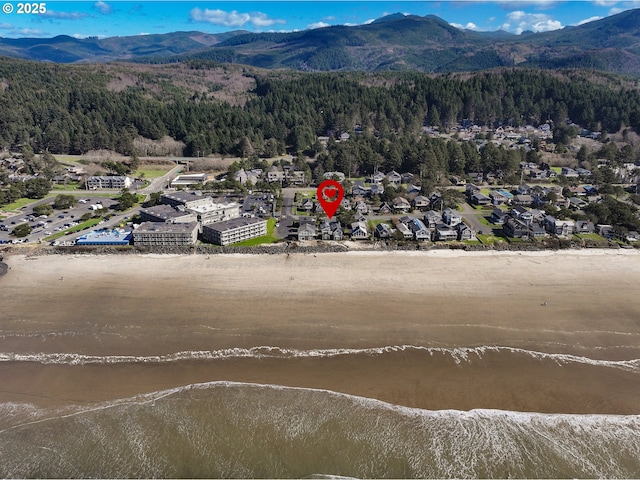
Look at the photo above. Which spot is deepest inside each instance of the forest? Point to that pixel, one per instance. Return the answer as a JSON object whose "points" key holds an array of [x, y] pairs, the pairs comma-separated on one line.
{"points": [[70, 109]]}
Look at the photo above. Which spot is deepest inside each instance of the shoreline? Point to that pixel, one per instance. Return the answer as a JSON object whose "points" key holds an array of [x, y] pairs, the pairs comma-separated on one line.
{"points": [[569, 302]]}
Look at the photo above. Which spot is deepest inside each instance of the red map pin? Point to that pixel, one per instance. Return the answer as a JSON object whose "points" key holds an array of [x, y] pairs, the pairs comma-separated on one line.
{"points": [[330, 194]]}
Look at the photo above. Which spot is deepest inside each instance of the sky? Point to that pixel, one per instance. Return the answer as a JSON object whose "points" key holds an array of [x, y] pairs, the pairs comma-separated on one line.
{"points": [[105, 18]]}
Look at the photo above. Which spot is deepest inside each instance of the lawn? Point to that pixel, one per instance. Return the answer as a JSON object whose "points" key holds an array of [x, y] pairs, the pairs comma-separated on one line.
{"points": [[591, 236], [82, 226], [152, 171], [68, 186], [72, 159], [268, 238], [18, 204], [489, 239]]}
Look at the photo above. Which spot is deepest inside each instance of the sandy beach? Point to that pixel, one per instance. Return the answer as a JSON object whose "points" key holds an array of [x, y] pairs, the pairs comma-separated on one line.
{"points": [[540, 331]]}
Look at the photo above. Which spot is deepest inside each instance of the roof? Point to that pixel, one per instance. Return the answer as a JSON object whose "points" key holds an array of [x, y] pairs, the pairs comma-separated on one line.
{"points": [[157, 227], [234, 223], [164, 211], [117, 236]]}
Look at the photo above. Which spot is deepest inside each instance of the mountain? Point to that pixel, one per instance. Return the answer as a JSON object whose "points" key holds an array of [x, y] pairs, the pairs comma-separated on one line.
{"points": [[65, 49], [393, 42]]}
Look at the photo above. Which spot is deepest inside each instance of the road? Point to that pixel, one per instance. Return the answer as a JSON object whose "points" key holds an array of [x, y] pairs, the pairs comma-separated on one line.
{"points": [[162, 182]]}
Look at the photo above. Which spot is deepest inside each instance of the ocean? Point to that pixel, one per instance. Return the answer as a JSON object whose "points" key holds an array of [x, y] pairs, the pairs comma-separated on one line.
{"points": [[367, 366], [225, 429]]}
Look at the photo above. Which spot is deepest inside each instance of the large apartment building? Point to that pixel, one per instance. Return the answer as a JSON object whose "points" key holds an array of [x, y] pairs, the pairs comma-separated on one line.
{"points": [[98, 182], [234, 230], [166, 234]]}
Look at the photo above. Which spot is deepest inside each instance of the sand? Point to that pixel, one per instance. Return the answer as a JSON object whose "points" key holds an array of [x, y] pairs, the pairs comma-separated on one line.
{"points": [[583, 303]]}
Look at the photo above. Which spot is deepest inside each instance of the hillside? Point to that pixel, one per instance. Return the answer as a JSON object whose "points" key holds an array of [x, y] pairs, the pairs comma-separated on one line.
{"points": [[394, 42]]}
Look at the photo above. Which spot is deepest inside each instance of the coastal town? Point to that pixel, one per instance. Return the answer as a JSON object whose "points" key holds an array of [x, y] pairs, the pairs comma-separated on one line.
{"points": [[247, 206]]}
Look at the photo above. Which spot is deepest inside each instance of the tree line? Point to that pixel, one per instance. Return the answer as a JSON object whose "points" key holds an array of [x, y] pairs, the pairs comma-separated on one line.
{"points": [[69, 109]]}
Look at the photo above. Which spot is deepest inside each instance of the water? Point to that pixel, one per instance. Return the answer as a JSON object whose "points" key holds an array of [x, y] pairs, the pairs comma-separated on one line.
{"points": [[227, 429]]}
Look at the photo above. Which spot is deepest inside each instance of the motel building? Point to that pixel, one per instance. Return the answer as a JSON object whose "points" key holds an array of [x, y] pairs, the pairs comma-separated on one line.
{"points": [[166, 234], [234, 230]]}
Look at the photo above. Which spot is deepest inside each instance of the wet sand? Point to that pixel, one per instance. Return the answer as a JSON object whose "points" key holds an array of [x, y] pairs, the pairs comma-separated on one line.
{"points": [[581, 303]]}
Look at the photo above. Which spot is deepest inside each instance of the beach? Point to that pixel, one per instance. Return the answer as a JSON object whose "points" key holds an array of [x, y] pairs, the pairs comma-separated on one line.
{"points": [[538, 332]]}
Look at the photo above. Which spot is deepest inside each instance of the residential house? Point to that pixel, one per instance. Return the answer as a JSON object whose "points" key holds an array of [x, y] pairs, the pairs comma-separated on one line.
{"points": [[361, 207], [432, 218], [471, 188], [451, 217], [480, 199], [306, 231], [377, 177], [345, 203], [577, 203], [275, 174], [537, 174], [359, 189], [524, 189], [521, 213], [445, 233], [384, 209], [307, 205], [331, 230], [498, 198], [407, 178], [559, 227], [569, 172], [465, 232], [476, 177], [394, 178], [522, 200], [376, 189], [418, 229], [401, 204], [383, 230], [420, 202], [584, 226], [605, 231], [411, 189], [359, 231], [583, 172], [515, 228], [498, 216], [339, 176], [404, 230]]}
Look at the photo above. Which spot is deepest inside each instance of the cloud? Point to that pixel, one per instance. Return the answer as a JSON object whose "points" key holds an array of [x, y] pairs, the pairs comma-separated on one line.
{"points": [[587, 20], [468, 26], [233, 18], [103, 8], [604, 3], [369, 22], [6, 26], [31, 32], [520, 21], [64, 15], [313, 26]]}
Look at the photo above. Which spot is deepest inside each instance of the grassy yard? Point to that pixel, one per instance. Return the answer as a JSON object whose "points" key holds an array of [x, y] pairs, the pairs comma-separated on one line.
{"points": [[68, 186], [489, 239], [152, 171], [18, 204], [591, 236], [268, 238], [82, 226]]}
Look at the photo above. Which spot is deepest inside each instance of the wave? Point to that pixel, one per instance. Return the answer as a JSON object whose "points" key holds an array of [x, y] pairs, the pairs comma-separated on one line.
{"points": [[229, 429], [459, 355]]}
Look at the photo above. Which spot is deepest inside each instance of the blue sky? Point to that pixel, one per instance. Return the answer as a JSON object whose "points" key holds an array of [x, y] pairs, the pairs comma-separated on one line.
{"points": [[120, 18]]}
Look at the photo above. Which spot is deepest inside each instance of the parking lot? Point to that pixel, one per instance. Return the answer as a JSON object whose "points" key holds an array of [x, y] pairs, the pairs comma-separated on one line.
{"points": [[60, 220]]}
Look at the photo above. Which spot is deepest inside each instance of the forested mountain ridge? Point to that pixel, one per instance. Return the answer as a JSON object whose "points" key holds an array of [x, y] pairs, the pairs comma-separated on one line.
{"points": [[395, 42], [78, 108]]}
